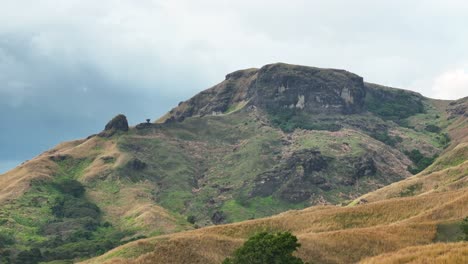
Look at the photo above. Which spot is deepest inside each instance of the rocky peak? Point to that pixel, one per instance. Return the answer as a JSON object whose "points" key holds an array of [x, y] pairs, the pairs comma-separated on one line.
{"points": [[276, 87], [118, 123]]}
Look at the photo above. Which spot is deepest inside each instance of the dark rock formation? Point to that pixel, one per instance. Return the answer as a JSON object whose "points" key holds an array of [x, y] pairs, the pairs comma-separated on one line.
{"points": [[218, 217], [217, 99], [276, 87], [293, 174], [58, 158], [136, 164], [307, 172], [144, 126], [365, 167], [458, 108], [313, 90], [119, 123]]}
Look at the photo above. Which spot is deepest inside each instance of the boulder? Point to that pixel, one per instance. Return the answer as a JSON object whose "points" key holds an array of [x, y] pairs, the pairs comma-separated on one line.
{"points": [[118, 123]]}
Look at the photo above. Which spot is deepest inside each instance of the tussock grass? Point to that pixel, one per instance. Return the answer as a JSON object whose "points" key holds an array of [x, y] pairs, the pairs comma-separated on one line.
{"points": [[440, 253], [328, 234]]}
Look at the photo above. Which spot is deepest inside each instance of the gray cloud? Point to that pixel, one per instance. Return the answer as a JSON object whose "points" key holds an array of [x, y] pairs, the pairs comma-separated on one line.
{"points": [[66, 67]]}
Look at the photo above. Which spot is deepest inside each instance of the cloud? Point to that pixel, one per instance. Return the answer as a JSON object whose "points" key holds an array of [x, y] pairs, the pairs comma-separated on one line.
{"points": [[451, 84], [66, 67]]}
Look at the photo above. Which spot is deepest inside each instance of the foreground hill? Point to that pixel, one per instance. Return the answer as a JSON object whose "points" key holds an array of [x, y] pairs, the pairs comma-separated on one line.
{"points": [[261, 142]]}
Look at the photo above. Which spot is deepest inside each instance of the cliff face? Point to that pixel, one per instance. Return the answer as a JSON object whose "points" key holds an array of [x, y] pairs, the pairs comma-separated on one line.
{"points": [[312, 90], [277, 87]]}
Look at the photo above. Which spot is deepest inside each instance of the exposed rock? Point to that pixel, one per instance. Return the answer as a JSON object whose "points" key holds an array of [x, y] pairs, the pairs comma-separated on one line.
{"points": [[309, 89], [326, 187], [363, 201], [458, 108], [218, 217], [136, 164], [108, 159], [119, 122], [145, 125], [216, 100], [294, 195], [225, 189], [295, 169], [278, 86], [365, 167], [59, 157]]}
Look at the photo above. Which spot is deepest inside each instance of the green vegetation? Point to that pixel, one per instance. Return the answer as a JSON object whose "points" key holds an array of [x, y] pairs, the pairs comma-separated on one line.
{"points": [[393, 104], [54, 220], [384, 137], [290, 119], [421, 162], [464, 227], [243, 208], [433, 128], [411, 190], [451, 231], [267, 248]]}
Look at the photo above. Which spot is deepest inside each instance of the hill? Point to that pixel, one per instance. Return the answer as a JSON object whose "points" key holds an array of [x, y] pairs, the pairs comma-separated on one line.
{"points": [[262, 142]]}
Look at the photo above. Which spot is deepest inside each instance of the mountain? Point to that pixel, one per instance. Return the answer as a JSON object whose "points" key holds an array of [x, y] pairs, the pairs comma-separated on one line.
{"points": [[262, 142]]}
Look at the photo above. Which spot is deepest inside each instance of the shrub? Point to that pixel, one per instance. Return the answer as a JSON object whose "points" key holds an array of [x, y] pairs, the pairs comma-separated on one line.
{"points": [[71, 187], [421, 162], [191, 219], [267, 248], [32, 256], [6, 239], [464, 227], [384, 137], [433, 128], [393, 105]]}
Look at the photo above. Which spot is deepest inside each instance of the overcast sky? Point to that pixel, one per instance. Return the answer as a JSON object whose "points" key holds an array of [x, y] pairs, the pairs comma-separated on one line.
{"points": [[67, 67]]}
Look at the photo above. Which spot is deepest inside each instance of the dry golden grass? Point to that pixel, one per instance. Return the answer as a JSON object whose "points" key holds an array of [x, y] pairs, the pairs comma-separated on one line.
{"points": [[15, 182], [441, 253], [328, 234]]}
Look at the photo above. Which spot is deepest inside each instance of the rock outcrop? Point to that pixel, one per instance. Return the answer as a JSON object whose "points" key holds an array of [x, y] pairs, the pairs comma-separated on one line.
{"points": [[313, 90], [277, 87], [118, 123]]}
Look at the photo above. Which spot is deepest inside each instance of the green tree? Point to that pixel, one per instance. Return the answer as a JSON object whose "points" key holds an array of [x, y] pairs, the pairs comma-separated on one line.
{"points": [[267, 248]]}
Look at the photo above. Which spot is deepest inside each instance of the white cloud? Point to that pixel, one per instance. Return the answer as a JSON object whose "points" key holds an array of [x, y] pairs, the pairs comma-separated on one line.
{"points": [[451, 84], [153, 44]]}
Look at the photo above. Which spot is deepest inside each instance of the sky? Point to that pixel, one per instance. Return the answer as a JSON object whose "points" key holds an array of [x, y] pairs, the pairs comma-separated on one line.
{"points": [[69, 66]]}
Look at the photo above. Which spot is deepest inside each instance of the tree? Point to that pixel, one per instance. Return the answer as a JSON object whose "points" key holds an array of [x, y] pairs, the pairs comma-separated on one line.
{"points": [[267, 248]]}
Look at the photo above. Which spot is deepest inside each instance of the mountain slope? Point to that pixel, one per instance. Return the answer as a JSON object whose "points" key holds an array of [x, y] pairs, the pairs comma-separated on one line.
{"points": [[261, 142]]}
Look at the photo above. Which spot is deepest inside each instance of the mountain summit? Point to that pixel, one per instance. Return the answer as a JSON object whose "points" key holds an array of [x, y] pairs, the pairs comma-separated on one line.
{"points": [[279, 86]]}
